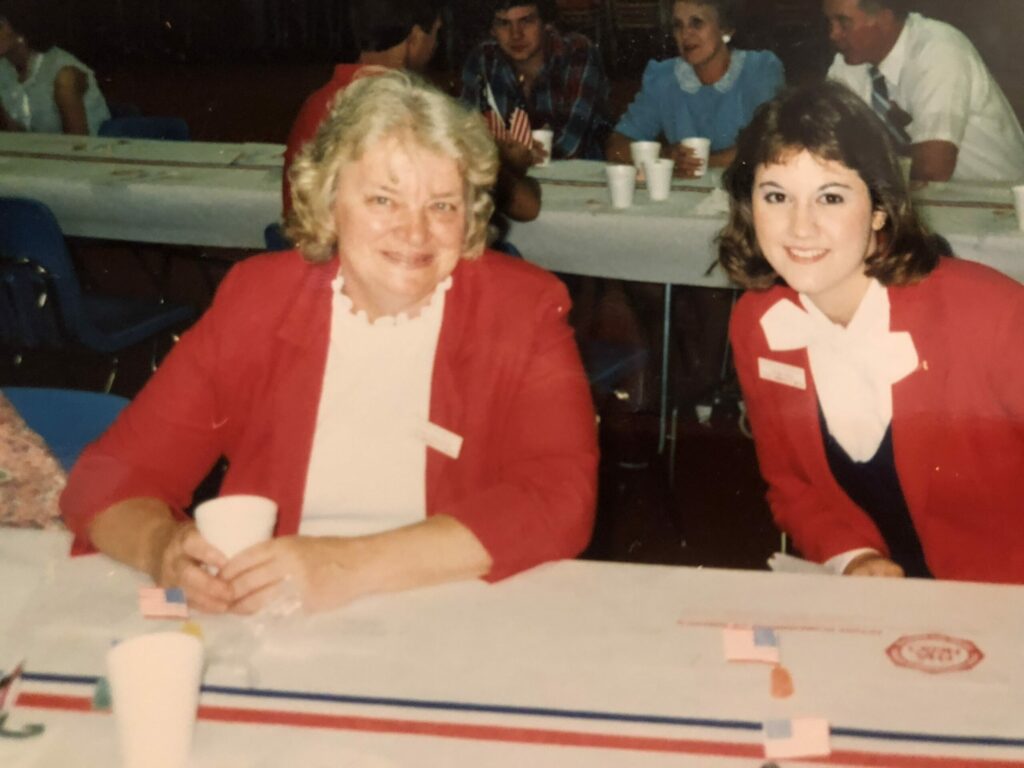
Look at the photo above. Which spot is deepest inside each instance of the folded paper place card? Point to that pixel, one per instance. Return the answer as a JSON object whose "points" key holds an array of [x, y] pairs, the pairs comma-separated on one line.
{"points": [[799, 737], [157, 603], [751, 644]]}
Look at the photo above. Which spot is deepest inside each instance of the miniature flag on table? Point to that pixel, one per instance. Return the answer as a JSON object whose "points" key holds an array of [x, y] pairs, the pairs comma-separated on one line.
{"points": [[799, 737], [751, 644], [157, 603]]}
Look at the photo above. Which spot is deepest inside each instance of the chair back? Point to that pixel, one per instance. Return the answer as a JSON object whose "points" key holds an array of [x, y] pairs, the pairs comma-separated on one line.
{"points": [[144, 127], [274, 238], [40, 294], [66, 419]]}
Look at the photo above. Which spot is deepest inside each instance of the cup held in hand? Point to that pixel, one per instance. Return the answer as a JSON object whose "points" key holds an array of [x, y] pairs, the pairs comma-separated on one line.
{"points": [[234, 523], [701, 150], [546, 137]]}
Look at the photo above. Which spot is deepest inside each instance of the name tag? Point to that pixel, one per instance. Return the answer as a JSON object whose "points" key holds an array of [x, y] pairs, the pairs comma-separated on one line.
{"points": [[440, 439], [781, 373]]}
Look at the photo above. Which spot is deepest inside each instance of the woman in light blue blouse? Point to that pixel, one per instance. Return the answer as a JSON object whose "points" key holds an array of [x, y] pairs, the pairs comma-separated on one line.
{"points": [[43, 88], [709, 90]]}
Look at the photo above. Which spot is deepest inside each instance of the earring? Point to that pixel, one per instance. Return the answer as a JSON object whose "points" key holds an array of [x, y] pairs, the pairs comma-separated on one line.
{"points": [[726, 39]]}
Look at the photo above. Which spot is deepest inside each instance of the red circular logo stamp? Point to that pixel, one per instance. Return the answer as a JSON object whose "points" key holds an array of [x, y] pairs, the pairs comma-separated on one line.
{"points": [[934, 653]]}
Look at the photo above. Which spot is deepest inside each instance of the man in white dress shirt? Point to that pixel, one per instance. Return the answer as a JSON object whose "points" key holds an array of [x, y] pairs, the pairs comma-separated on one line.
{"points": [[929, 84]]}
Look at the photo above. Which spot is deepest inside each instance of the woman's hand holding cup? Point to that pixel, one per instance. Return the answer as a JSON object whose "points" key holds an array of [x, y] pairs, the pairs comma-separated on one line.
{"points": [[188, 561]]}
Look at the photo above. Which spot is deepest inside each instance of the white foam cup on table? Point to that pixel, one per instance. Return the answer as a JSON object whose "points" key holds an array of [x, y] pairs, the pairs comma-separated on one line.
{"points": [[234, 523], [701, 150], [621, 184], [545, 136], [659, 178], [1018, 204], [154, 685], [642, 151]]}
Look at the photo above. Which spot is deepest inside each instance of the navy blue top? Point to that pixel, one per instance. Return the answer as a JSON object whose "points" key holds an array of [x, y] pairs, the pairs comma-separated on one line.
{"points": [[874, 486]]}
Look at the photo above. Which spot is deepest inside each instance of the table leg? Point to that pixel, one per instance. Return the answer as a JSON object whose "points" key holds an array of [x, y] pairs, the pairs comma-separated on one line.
{"points": [[665, 338]]}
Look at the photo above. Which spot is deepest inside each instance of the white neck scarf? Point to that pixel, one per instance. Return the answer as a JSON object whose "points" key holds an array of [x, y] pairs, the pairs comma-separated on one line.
{"points": [[854, 367]]}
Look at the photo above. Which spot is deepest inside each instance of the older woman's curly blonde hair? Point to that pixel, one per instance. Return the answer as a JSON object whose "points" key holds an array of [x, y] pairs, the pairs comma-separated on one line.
{"points": [[381, 103]]}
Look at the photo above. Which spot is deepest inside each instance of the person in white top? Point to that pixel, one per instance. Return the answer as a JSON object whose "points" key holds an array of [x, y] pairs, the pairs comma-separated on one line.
{"points": [[43, 88], [934, 86]]}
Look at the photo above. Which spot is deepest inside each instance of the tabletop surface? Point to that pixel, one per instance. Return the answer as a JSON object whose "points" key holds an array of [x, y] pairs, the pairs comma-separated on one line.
{"points": [[573, 663], [224, 195]]}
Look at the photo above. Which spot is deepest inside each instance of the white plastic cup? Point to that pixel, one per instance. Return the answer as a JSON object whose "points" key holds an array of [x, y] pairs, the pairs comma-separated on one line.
{"points": [[234, 523], [154, 685], [701, 150], [642, 151], [1018, 204], [621, 184], [545, 136], [659, 178]]}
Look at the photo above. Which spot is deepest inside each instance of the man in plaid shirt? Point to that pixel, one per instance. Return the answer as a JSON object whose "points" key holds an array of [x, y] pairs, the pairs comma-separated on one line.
{"points": [[557, 79]]}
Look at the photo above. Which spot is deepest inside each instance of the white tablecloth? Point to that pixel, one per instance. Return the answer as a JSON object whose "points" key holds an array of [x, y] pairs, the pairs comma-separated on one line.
{"points": [[212, 194], [571, 664], [673, 241], [180, 193]]}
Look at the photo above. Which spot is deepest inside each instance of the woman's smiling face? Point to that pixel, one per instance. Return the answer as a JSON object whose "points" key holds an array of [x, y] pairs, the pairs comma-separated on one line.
{"points": [[400, 213], [816, 225], [698, 33]]}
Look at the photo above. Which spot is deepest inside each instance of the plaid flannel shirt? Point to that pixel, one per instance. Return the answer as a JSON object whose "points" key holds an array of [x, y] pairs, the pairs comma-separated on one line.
{"points": [[570, 94]]}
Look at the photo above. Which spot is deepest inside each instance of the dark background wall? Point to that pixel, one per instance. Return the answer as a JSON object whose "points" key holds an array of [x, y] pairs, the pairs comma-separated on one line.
{"points": [[181, 45]]}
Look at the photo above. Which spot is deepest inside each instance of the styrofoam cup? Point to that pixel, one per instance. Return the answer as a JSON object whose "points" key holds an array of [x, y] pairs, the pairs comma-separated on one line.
{"points": [[659, 178], [701, 150], [1018, 204], [642, 151], [234, 523], [621, 184], [545, 136], [154, 685]]}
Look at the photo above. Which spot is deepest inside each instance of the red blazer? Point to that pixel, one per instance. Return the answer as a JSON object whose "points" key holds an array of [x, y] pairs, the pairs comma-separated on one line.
{"points": [[245, 383], [957, 427], [313, 112]]}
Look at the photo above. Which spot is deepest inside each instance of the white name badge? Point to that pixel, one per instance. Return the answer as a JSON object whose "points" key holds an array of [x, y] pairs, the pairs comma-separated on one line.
{"points": [[440, 439], [781, 373]]}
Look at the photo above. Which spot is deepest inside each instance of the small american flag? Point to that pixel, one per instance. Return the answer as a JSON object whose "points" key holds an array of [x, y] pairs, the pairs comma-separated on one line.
{"points": [[157, 603], [751, 644], [800, 737], [518, 128]]}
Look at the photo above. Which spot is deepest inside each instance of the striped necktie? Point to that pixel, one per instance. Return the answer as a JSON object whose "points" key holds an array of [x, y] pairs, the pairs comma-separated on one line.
{"points": [[896, 119]]}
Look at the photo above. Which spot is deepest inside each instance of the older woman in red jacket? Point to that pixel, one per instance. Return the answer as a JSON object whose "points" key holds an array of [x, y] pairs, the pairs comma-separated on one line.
{"points": [[884, 380], [415, 405]]}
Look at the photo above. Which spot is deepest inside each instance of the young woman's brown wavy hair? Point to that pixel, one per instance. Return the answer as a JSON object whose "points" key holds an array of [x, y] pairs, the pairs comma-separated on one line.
{"points": [[833, 123]]}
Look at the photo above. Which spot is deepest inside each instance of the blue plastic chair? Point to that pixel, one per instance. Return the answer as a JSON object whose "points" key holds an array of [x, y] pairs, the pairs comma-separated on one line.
{"points": [[607, 363], [143, 127], [41, 301], [67, 419], [275, 239]]}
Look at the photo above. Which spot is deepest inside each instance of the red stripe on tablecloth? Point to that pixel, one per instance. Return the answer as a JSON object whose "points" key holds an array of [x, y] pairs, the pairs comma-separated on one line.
{"points": [[528, 735]]}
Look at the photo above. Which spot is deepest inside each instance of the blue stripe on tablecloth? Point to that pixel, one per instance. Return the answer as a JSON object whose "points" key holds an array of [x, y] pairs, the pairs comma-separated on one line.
{"points": [[569, 714]]}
